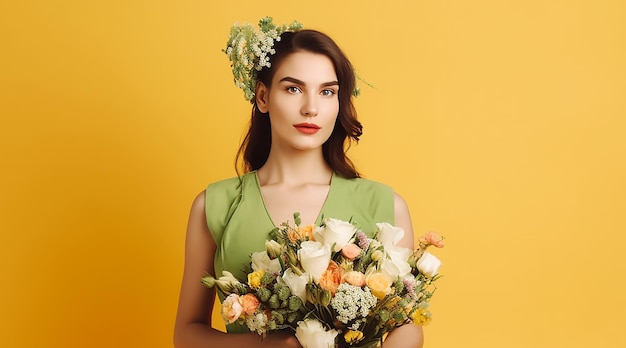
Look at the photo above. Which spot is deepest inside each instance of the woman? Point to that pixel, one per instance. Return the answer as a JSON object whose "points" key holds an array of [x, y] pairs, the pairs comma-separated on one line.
{"points": [[295, 161]]}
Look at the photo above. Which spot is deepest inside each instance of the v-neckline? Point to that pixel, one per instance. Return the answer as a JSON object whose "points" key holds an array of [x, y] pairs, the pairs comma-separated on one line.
{"points": [[267, 212]]}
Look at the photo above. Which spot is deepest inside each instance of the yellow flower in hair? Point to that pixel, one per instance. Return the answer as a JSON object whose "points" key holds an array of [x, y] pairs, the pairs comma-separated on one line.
{"points": [[254, 279]]}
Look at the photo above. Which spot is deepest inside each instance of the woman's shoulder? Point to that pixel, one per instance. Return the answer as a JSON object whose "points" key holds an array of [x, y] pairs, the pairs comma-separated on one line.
{"points": [[363, 184], [229, 184]]}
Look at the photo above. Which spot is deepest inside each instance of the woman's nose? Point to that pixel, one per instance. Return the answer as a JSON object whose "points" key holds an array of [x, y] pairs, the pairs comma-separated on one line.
{"points": [[310, 108]]}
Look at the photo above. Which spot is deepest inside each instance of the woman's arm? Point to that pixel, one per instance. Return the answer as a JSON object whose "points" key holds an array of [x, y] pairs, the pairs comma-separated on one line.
{"points": [[193, 320], [408, 335]]}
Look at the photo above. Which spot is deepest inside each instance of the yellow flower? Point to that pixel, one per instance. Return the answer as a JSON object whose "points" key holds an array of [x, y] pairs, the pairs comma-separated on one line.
{"points": [[379, 284], [254, 279], [353, 336], [421, 317]]}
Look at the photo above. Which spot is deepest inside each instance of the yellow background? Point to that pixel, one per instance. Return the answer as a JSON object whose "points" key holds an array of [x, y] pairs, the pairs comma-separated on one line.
{"points": [[500, 122]]}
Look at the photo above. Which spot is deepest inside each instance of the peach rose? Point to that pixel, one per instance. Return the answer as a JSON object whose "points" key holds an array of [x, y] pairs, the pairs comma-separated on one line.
{"points": [[331, 278], [231, 308], [350, 251], [379, 285], [354, 278], [249, 303]]}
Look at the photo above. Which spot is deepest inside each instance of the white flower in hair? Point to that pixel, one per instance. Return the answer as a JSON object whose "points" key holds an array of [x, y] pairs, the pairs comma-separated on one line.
{"points": [[252, 51]]}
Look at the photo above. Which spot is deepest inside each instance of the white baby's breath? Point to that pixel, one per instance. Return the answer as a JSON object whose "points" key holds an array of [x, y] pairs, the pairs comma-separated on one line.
{"points": [[257, 322], [352, 302], [249, 51]]}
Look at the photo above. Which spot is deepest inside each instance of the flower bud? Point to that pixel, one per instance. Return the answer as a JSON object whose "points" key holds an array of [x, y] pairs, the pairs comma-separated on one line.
{"points": [[311, 293], [296, 270], [224, 286], [229, 277], [350, 251], [295, 303], [278, 317], [283, 292], [377, 255], [264, 294], [208, 281], [273, 248], [274, 302], [412, 261], [292, 257], [324, 298], [292, 317]]}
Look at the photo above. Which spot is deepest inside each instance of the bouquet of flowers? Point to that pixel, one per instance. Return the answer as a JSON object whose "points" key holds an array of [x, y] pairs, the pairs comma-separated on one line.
{"points": [[332, 285]]}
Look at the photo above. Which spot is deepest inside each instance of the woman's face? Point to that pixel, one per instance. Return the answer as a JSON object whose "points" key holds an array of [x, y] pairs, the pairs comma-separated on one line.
{"points": [[302, 102]]}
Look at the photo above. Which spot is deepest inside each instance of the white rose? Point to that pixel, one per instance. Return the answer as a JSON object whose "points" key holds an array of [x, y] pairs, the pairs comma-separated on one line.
{"points": [[389, 235], [428, 264], [261, 261], [396, 265], [311, 334], [314, 257], [336, 232], [297, 284]]}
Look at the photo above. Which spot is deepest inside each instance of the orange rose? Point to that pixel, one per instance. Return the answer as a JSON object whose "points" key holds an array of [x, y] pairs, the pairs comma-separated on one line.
{"points": [[350, 251], [249, 303], [331, 278], [301, 233], [354, 278], [307, 232], [379, 285]]}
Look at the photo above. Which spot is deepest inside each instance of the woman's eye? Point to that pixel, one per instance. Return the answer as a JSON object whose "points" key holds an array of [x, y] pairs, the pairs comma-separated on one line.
{"points": [[328, 92], [293, 89]]}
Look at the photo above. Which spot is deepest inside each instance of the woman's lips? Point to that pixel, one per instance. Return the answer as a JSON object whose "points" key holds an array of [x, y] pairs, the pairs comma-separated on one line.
{"points": [[307, 128]]}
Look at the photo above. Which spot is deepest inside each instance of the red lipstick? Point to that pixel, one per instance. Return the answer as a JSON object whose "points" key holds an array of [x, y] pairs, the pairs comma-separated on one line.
{"points": [[307, 128]]}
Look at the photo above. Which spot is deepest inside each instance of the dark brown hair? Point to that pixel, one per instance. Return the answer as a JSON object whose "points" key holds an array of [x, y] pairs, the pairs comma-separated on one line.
{"points": [[255, 147]]}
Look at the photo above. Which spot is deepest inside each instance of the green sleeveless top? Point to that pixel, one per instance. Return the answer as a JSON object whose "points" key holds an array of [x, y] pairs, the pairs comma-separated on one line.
{"points": [[240, 224]]}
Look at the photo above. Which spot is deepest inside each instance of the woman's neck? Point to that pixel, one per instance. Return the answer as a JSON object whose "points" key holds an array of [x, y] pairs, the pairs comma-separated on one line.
{"points": [[295, 168]]}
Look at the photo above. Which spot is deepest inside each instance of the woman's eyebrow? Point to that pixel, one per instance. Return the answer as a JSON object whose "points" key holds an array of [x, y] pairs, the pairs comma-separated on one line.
{"points": [[302, 83]]}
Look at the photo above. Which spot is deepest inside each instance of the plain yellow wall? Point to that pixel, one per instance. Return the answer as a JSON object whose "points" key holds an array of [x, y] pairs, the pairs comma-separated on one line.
{"points": [[500, 122]]}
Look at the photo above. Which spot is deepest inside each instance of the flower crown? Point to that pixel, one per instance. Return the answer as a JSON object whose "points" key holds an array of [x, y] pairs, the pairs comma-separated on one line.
{"points": [[250, 51]]}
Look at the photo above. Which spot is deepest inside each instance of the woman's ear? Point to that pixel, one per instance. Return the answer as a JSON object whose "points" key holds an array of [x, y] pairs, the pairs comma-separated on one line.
{"points": [[261, 94]]}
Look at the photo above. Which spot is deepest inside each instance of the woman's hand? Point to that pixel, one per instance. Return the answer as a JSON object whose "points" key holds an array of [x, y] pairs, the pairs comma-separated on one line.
{"points": [[405, 336]]}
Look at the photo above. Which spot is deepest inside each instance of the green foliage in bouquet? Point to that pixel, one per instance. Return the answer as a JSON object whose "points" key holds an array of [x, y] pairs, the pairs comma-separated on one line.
{"points": [[332, 284]]}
